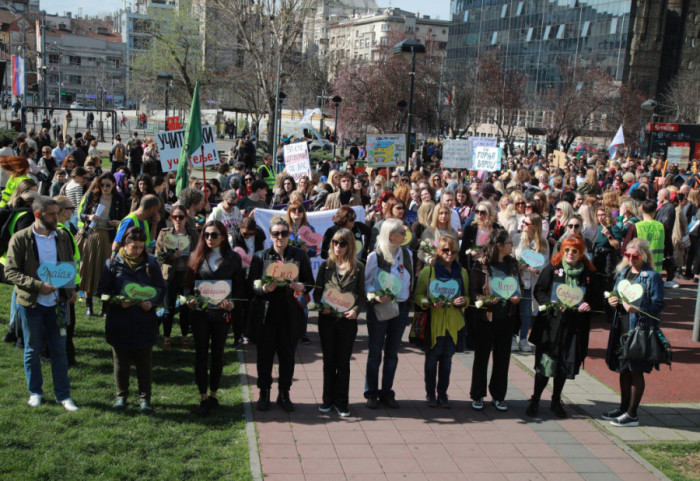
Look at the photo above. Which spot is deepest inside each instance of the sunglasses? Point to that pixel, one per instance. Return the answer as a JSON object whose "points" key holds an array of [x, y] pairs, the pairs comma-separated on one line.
{"points": [[528, 206], [574, 226], [298, 210], [482, 212], [447, 250], [405, 181], [527, 223], [557, 209], [337, 243], [400, 232], [249, 180], [106, 186], [632, 257], [280, 233], [211, 235], [520, 203], [570, 250], [247, 234], [177, 217]]}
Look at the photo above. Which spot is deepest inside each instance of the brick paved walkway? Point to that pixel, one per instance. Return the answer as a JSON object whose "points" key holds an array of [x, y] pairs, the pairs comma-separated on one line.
{"points": [[416, 442]]}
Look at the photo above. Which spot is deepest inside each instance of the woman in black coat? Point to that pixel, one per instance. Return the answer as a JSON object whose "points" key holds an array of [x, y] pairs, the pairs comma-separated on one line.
{"points": [[276, 317], [345, 218], [476, 235], [561, 338], [212, 260], [131, 326]]}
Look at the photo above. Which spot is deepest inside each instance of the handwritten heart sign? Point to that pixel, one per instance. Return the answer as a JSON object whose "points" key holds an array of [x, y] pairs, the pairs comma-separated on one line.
{"points": [[309, 237], [358, 248], [176, 242], [409, 237], [631, 292], [57, 275], [569, 296], [387, 281], [504, 287], [217, 291], [286, 271], [245, 258], [139, 292], [532, 258], [341, 302], [448, 289]]}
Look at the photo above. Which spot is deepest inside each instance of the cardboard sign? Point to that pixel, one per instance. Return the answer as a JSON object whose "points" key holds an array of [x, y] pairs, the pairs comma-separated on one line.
{"points": [[505, 287], [448, 289], [245, 258], [215, 291], [341, 302], [457, 154], [170, 144], [532, 258], [296, 160], [567, 295], [632, 292], [386, 150], [58, 275], [487, 158], [138, 292], [387, 281], [176, 242], [309, 237], [284, 271], [559, 159]]}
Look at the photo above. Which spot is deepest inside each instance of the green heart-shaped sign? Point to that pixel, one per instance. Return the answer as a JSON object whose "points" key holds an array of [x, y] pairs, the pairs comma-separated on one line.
{"points": [[138, 292]]}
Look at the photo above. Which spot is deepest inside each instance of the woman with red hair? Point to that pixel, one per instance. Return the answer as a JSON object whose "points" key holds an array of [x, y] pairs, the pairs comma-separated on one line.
{"points": [[561, 334], [18, 167]]}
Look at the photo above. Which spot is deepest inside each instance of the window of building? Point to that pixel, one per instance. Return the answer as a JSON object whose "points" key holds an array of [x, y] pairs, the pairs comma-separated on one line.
{"points": [[466, 16], [385, 27], [560, 32], [545, 35], [613, 26], [504, 10], [586, 28], [54, 58], [74, 60], [75, 79], [519, 11], [113, 62], [530, 30], [494, 38], [53, 77]]}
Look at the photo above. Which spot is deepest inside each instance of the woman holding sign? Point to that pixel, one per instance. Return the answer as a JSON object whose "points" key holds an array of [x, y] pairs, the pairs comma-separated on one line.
{"points": [[215, 276], [134, 280], [495, 285], [341, 296], [638, 300], [565, 290], [442, 287]]}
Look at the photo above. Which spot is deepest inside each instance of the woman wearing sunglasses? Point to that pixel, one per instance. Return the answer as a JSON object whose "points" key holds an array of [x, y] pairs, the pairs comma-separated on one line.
{"points": [[477, 234], [212, 260], [438, 227], [561, 337], [637, 267], [340, 275], [345, 218], [174, 263], [276, 318], [446, 321]]}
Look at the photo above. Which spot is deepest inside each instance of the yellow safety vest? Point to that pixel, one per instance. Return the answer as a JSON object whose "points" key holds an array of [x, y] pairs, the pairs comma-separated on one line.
{"points": [[653, 231], [138, 223], [76, 253]]}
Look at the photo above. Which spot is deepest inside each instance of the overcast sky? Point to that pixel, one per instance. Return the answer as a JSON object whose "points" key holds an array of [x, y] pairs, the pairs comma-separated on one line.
{"points": [[436, 8]]}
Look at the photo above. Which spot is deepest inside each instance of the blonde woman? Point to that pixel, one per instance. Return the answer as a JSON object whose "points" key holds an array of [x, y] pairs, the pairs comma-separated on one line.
{"points": [[589, 230], [562, 213], [334, 180], [476, 234], [507, 216], [377, 187], [425, 218], [439, 226]]}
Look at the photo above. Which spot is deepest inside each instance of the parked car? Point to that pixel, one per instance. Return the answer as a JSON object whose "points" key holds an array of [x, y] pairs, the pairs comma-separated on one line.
{"points": [[77, 105]]}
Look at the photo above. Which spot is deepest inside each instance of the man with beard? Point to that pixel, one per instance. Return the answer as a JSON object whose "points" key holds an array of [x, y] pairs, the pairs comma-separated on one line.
{"points": [[344, 196], [41, 306], [146, 214]]}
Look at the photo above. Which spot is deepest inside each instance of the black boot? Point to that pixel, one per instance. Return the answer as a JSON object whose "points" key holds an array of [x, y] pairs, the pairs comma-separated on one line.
{"points": [[284, 402], [264, 400], [88, 306], [534, 407], [557, 408]]}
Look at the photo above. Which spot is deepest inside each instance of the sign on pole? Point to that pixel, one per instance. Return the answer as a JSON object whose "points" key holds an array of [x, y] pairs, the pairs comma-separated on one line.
{"points": [[296, 160], [487, 158], [386, 150], [457, 154], [170, 144]]}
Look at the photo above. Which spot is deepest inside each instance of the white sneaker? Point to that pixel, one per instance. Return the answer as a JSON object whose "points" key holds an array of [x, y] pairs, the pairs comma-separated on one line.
{"points": [[69, 405], [671, 284], [514, 344], [524, 345], [34, 400]]}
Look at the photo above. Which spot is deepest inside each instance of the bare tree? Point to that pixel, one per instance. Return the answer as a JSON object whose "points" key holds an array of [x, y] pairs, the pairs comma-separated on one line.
{"points": [[681, 99], [460, 112], [625, 110]]}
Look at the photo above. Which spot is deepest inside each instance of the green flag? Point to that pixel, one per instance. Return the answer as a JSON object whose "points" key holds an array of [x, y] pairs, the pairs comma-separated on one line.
{"points": [[192, 142]]}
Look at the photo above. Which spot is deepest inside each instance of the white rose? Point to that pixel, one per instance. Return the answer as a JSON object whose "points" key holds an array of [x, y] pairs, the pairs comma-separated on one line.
{"points": [[607, 294], [424, 302], [257, 283], [104, 297], [479, 304], [542, 308], [182, 299], [312, 306], [469, 252], [371, 296]]}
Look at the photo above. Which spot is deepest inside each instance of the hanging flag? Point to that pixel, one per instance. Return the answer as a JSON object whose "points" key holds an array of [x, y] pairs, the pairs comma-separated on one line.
{"points": [[192, 142], [619, 139], [17, 76]]}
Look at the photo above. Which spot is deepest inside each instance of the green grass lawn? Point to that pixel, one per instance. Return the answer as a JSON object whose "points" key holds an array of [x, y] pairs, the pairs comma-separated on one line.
{"points": [[678, 461], [94, 442]]}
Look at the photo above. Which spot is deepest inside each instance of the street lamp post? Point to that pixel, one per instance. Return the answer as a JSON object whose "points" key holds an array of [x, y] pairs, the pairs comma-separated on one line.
{"points": [[336, 100], [648, 106], [165, 78], [403, 49]]}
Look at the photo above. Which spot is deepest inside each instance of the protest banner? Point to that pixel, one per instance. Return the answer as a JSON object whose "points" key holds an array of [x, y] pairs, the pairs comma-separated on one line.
{"points": [[487, 158], [559, 159], [679, 156], [296, 160], [170, 145], [457, 154], [386, 150], [483, 142]]}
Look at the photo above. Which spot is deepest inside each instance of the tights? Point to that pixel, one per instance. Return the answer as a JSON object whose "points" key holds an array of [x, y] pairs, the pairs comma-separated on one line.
{"points": [[632, 386], [541, 383]]}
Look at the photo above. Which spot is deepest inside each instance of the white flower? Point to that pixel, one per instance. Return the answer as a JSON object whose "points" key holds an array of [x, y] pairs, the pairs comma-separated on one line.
{"points": [[470, 252], [371, 296], [607, 294], [311, 306], [542, 308], [182, 299], [104, 297], [479, 304], [424, 302], [257, 283]]}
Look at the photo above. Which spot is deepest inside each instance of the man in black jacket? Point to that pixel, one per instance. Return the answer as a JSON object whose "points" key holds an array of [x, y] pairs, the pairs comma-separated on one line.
{"points": [[666, 214]]}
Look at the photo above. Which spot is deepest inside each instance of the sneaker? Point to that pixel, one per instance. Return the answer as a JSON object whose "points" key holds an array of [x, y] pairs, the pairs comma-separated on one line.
{"points": [[390, 402], [671, 284], [524, 345], [10, 337], [431, 400], [305, 340], [514, 346], [69, 405], [34, 400], [342, 411], [325, 408], [625, 421], [614, 414], [146, 408], [500, 405], [372, 403], [119, 404], [478, 404], [238, 343]]}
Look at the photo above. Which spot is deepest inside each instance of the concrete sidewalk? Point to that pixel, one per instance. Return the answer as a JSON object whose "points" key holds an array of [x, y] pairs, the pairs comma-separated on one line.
{"points": [[416, 442]]}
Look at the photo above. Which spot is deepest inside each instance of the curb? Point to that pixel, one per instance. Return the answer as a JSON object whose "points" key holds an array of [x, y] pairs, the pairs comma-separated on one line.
{"points": [[253, 448]]}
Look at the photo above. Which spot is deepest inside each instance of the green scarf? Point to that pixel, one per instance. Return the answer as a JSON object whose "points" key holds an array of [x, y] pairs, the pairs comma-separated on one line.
{"points": [[133, 262], [571, 273]]}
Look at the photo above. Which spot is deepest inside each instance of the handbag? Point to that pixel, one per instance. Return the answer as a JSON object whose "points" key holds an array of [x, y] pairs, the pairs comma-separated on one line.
{"points": [[647, 344], [386, 310], [419, 335]]}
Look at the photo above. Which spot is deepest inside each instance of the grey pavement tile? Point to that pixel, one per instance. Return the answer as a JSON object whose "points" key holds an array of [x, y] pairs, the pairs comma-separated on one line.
{"points": [[569, 451], [557, 438], [585, 466], [600, 477]]}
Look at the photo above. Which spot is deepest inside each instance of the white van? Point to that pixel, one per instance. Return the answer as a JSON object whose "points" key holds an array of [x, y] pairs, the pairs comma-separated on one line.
{"points": [[294, 128]]}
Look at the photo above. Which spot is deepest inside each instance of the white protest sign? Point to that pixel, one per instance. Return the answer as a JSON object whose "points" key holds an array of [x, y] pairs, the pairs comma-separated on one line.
{"points": [[386, 150], [679, 156], [170, 144], [296, 160], [487, 158], [457, 154]]}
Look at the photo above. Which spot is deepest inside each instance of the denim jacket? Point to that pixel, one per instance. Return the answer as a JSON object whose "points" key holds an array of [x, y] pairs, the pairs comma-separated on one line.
{"points": [[653, 298]]}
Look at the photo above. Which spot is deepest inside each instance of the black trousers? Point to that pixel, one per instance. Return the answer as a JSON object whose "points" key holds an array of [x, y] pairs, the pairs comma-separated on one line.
{"points": [[491, 337], [208, 328], [337, 338], [70, 331], [273, 340], [174, 289], [141, 358]]}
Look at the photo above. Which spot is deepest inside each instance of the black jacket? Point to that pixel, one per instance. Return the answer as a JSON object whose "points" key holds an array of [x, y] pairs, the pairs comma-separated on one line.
{"points": [[469, 241], [229, 269], [117, 210]]}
